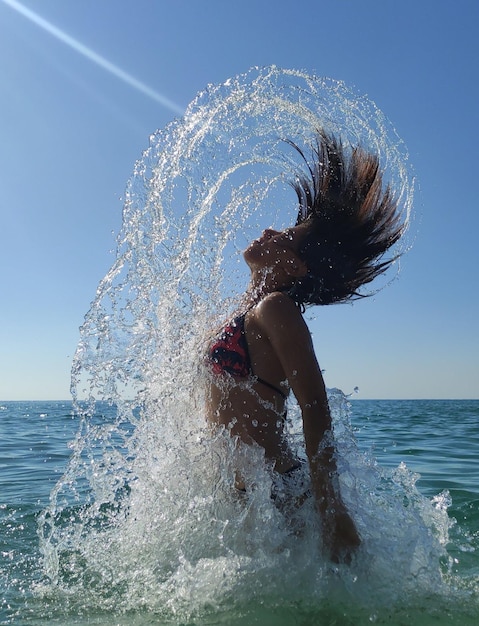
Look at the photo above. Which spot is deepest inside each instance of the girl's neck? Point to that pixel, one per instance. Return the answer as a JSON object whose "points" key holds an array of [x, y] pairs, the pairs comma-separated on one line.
{"points": [[261, 285]]}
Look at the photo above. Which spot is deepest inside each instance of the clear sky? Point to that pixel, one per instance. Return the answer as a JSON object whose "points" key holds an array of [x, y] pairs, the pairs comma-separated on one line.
{"points": [[84, 83]]}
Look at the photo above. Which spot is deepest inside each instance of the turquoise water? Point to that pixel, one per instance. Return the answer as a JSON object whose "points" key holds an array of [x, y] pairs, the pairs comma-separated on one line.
{"points": [[434, 445]]}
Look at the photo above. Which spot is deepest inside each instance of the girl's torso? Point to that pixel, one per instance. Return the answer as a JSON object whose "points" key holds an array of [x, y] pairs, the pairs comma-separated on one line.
{"points": [[248, 387]]}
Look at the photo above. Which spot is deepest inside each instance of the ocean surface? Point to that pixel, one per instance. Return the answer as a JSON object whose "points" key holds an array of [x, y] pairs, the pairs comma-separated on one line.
{"points": [[425, 453]]}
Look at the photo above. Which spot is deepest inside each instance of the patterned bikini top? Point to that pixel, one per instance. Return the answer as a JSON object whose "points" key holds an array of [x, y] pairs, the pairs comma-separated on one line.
{"points": [[229, 353]]}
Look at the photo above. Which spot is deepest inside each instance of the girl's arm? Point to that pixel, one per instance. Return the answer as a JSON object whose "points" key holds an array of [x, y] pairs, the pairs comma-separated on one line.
{"points": [[290, 338]]}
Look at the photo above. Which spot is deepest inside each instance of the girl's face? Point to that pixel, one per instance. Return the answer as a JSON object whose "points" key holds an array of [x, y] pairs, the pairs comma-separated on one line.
{"points": [[277, 251]]}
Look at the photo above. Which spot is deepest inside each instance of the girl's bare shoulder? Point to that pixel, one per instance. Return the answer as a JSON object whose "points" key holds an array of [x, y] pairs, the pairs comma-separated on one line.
{"points": [[277, 308]]}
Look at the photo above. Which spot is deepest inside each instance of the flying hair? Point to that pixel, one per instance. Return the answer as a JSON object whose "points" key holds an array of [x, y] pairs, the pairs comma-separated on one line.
{"points": [[351, 220]]}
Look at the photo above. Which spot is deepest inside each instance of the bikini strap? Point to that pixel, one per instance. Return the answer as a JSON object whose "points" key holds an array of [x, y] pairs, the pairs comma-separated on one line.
{"points": [[273, 387]]}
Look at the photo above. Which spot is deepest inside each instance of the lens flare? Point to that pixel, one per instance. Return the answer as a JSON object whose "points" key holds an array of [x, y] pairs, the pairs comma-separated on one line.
{"points": [[93, 56]]}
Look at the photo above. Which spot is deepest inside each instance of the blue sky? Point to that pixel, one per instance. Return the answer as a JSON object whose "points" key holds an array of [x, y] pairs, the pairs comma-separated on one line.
{"points": [[84, 83]]}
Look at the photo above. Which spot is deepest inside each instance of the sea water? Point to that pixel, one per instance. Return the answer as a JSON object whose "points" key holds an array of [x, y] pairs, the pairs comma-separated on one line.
{"points": [[420, 567], [138, 521]]}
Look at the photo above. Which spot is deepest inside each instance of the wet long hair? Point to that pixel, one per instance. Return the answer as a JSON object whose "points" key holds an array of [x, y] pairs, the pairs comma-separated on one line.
{"points": [[350, 219]]}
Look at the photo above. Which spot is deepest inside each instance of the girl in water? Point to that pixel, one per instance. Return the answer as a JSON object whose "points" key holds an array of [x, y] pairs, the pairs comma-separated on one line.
{"points": [[347, 220]]}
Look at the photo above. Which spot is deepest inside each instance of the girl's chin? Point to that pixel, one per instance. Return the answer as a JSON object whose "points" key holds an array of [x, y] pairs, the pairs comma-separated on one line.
{"points": [[251, 252]]}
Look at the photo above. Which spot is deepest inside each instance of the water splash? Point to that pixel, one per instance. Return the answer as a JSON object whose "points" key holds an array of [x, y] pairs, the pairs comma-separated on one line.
{"points": [[205, 188], [146, 516]]}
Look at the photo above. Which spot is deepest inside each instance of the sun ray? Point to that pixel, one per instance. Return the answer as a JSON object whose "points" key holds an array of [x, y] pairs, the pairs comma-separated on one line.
{"points": [[94, 56]]}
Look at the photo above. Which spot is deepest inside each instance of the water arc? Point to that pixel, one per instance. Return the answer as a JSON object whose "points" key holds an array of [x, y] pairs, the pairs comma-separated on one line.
{"points": [[143, 515]]}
